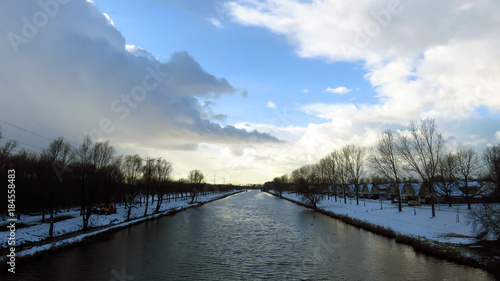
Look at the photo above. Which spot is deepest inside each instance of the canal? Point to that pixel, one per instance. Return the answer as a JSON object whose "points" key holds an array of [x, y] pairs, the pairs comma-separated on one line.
{"points": [[248, 236]]}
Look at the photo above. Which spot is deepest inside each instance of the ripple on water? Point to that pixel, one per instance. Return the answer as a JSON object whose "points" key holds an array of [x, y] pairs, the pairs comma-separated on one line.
{"points": [[250, 236]]}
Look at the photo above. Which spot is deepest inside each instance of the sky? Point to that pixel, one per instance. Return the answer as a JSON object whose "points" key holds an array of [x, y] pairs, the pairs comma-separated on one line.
{"points": [[246, 90]]}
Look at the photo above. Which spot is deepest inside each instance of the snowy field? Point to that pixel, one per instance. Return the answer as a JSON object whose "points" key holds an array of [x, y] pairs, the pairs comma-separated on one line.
{"points": [[35, 231], [449, 226]]}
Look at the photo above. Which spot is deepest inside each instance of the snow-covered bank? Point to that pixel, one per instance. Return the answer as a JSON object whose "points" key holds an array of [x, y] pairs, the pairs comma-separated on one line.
{"points": [[36, 232], [448, 235], [449, 226]]}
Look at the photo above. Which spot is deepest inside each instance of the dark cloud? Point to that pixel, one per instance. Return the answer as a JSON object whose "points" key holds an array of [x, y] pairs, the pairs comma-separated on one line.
{"points": [[69, 68]]}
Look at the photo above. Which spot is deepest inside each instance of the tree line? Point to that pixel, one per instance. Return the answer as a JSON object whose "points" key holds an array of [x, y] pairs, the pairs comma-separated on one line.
{"points": [[62, 177], [416, 154]]}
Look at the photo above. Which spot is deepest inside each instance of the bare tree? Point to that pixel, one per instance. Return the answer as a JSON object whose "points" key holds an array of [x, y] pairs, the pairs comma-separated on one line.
{"points": [[163, 171], [298, 175], [342, 172], [334, 166], [58, 155], [280, 184], [195, 178], [6, 149], [447, 176], [308, 186], [485, 219], [95, 162], [322, 170], [467, 164], [306, 182], [102, 155], [491, 158], [150, 174], [131, 169], [421, 150], [354, 157], [84, 155], [386, 161], [310, 195]]}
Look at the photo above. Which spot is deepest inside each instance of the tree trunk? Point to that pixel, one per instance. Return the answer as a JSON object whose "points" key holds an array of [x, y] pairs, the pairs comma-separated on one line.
{"points": [[159, 200], [357, 194], [51, 226], [400, 208], [433, 209], [147, 203]]}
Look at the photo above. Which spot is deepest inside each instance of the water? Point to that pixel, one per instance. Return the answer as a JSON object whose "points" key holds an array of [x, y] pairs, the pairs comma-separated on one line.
{"points": [[249, 236]]}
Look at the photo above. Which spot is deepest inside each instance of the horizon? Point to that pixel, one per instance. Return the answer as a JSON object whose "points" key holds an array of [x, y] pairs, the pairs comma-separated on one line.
{"points": [[246, 91]]}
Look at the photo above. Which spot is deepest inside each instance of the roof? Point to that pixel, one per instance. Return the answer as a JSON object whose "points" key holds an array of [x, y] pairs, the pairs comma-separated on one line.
{"points": [[488, 189]]}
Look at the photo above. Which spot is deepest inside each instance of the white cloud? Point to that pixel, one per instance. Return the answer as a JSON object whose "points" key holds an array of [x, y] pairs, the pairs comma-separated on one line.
{"points": [[140, 52], [215, 22], [421, 58], [305, 91], [497, 136], [339, 90], [271, 104], [110, 20]]}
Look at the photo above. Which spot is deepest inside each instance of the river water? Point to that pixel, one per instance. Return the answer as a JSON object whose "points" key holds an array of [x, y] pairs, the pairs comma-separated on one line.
{"points": [[248, 236]]}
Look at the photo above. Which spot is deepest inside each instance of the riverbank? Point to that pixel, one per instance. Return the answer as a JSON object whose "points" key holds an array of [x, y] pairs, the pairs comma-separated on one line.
{"points": [[32, 237], [446, 236]]}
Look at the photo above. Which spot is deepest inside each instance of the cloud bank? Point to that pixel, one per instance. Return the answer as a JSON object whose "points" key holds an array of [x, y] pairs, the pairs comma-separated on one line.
{"points": [[67, 66], [424, 60]]}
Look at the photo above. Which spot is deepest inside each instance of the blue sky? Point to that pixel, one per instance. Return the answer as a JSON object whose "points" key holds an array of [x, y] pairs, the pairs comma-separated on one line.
{"points": [[254, 59], [246, 90]]}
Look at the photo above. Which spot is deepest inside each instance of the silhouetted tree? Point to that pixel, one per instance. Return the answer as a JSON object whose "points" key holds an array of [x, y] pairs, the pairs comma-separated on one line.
{"points": [[421, 150], [195, 179], [131, 168], [58, 157], [491, 158], [467, 164], [163, 171], [385, 160]]}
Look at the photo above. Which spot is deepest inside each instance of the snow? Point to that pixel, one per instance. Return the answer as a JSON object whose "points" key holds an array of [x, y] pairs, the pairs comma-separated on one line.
{"points": [[35, 231], [412, 221]]}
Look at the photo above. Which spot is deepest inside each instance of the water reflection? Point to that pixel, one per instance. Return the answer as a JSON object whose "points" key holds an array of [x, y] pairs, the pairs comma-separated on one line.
{"points": [[247, 236]]}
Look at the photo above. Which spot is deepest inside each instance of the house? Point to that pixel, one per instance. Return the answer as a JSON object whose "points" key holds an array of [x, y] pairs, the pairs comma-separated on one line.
{"points": [[424, 194], [487, 190], [472, 189], [407, 191], [365, 190], [448, 193], [374, 192], [383, 190], [410, 191]]}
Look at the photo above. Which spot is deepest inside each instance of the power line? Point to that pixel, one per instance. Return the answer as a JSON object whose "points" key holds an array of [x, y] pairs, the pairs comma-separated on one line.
{"points": [[28, 131], [27, 117], [22, 143]]}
